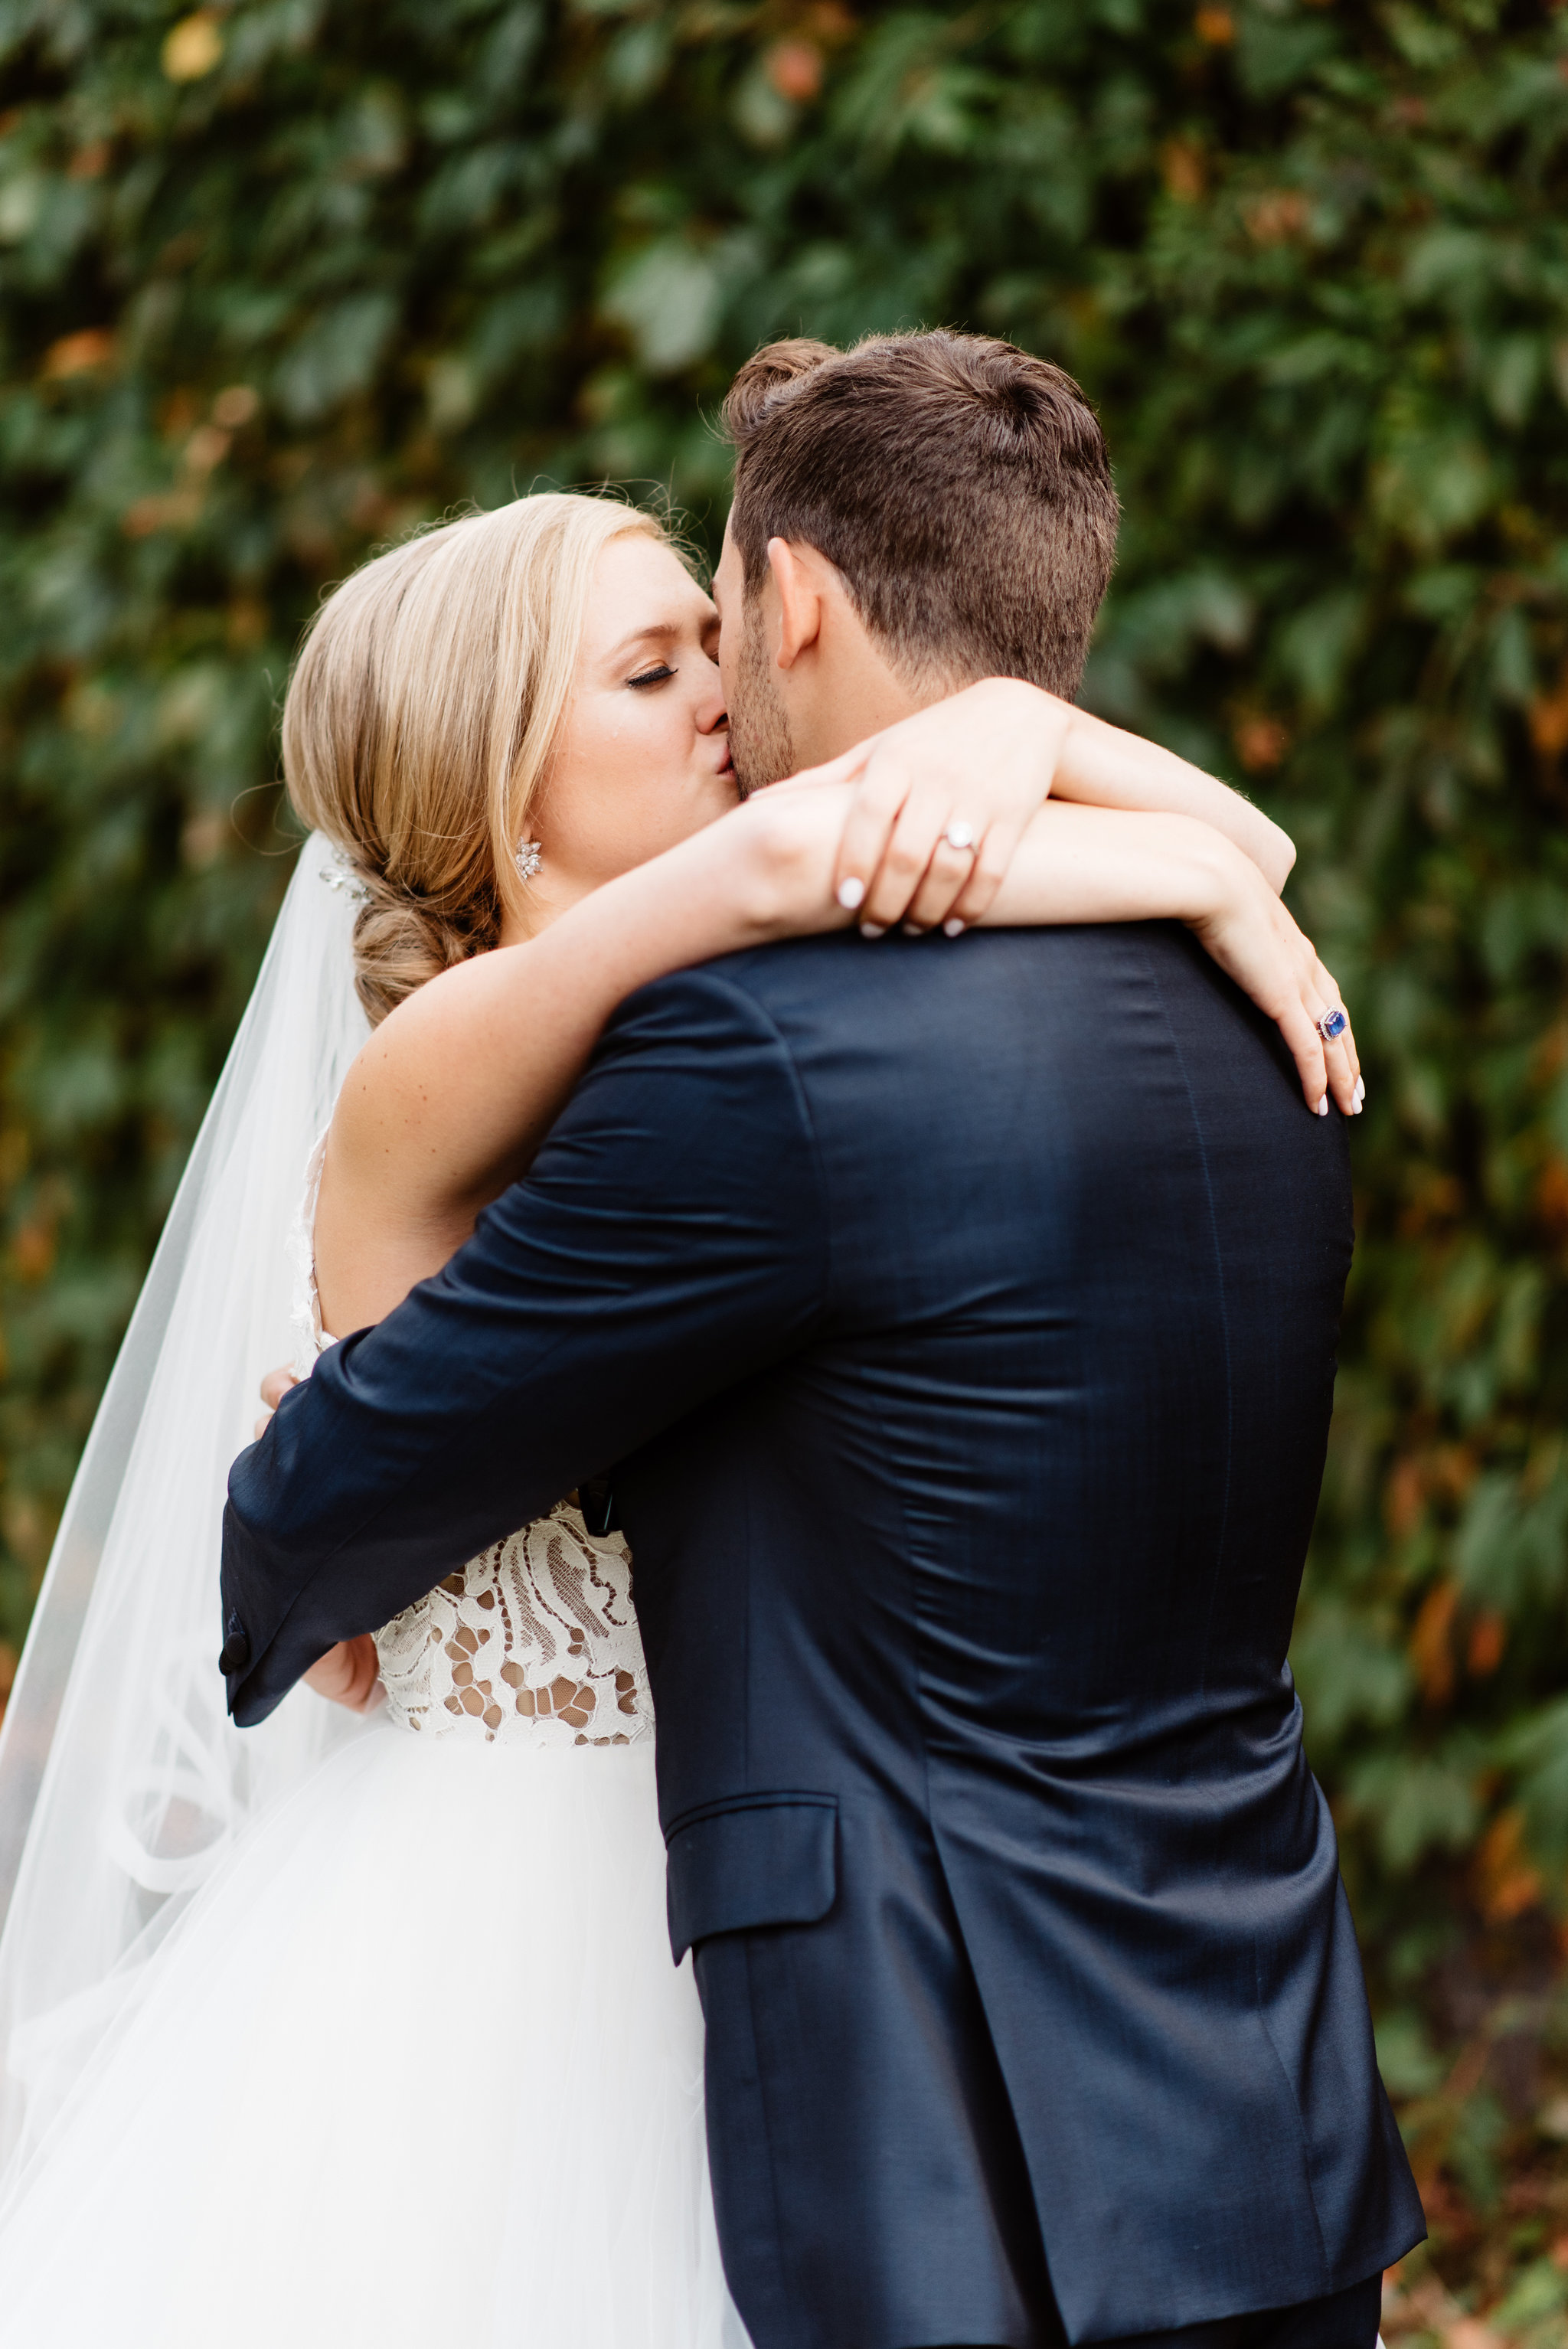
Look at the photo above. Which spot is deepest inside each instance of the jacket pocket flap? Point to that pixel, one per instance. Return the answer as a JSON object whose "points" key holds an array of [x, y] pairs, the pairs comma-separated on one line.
{"points": [[758, 1859]]}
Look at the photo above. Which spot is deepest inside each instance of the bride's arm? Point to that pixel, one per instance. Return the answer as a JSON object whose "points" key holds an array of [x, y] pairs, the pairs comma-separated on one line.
{"points": [[447, 1102], [450, 1099], [1110, 768], [989, 756]]}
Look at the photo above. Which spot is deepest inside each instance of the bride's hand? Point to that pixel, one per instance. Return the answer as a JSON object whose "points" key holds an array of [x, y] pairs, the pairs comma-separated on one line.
{"points": [[350, 1674], [274, 1386], [772, 859], [1252, 936], [941, 800]]}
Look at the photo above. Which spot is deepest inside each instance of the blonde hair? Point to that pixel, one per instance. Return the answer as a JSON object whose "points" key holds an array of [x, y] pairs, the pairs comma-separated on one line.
{"points": [[422, 716]]}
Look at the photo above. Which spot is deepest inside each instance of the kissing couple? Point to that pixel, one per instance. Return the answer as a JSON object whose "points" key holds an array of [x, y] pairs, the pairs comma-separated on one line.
{"points": [[893, 1230]]}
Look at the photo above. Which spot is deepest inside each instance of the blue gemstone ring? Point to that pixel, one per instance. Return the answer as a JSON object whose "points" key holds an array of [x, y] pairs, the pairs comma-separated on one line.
{"points": [[1330, 1024]]}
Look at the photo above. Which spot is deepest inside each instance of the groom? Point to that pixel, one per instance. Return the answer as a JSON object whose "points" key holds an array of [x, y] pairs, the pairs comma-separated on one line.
{"points": [[958, 1323]]}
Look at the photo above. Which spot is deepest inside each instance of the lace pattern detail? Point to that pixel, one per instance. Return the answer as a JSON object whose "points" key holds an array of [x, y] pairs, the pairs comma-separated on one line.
{"points": [[536, 1638]]}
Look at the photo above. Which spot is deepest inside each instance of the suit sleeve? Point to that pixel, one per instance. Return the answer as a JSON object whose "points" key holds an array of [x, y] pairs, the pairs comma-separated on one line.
{"points": [[670, 1240]]}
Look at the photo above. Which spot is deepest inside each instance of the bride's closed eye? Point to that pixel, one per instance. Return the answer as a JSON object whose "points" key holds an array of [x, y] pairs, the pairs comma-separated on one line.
{"points": [[660, 675]]}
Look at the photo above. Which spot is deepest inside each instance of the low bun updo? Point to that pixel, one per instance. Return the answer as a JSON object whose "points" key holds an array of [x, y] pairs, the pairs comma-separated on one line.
{"points": [[422, 716], [403, 937]]}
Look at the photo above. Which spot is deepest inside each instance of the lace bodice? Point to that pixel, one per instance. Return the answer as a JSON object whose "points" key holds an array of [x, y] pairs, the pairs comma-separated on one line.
{"points": [[536, 1638]]}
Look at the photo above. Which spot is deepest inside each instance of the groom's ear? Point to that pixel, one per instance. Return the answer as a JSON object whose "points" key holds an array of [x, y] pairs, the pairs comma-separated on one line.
{"points": [[799, 584]]}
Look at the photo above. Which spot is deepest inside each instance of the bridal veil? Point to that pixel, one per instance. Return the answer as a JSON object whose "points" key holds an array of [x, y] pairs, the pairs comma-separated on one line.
{"points": [[122, 1782]]}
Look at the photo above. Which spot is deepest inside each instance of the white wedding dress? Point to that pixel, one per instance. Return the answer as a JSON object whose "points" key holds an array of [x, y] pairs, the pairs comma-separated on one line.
{"points": [[415, 2066]]}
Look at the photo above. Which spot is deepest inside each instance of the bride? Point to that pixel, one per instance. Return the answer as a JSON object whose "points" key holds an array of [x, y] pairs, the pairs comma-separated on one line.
{"points": [[361, 2026]]}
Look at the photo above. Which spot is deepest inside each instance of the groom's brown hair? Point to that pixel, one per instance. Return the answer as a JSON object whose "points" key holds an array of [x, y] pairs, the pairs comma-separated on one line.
{"points": [[960, 486]]}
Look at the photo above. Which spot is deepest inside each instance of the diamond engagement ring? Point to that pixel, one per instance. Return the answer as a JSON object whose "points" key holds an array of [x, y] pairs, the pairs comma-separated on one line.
{"points": [[959, 834], [1330, 1024]]}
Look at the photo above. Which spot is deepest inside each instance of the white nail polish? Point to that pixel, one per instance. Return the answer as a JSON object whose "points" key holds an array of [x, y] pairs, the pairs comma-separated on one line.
{"points": [[953, 927], [1323, 1107], [852, 893], [913, 930], [873, 929], [1360, 1093]]}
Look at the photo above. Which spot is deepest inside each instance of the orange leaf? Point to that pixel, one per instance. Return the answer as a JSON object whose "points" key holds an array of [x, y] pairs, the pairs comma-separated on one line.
{"points": [[1404, 1497], [1432, 1647], [1551, 1196], [795, 69], [1549, 720], [1506, 1882], [1261, 742], [1182, 165], [1487, 1639], [78, 353], [33, 1251]]}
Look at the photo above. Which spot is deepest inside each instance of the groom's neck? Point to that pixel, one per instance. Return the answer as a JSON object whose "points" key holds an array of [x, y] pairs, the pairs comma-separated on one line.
{"points": [[846, 705], [813, 679], [847, 692]]}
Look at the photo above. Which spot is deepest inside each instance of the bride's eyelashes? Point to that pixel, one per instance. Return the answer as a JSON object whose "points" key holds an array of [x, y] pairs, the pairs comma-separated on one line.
{"points": [[658, 676]]}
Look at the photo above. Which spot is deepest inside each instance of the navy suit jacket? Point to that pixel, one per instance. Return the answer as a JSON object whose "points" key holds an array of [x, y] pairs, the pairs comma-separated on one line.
{"points": [[959, 1323]]}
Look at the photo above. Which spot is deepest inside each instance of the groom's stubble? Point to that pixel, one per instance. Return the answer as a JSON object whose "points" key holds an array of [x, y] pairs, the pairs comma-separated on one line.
{"points": [[761, 745]]}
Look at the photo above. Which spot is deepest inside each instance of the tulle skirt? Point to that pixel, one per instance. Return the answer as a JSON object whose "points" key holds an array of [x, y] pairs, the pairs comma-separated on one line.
{"points": [[416, 2068]]}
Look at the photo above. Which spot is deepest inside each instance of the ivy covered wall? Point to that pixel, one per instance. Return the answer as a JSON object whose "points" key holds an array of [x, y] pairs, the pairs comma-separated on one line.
{"points": [[281, 279]]}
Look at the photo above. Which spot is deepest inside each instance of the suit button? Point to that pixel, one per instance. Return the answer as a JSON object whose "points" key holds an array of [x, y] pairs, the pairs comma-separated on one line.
{"points": [[236, 1652]]}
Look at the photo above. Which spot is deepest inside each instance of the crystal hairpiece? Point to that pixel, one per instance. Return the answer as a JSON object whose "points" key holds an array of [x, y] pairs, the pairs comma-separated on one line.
{"points": [[339, 875]]}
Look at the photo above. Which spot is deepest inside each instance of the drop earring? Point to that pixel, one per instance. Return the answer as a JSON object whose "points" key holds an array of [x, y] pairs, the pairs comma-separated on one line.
{"points": [[530, 857]]}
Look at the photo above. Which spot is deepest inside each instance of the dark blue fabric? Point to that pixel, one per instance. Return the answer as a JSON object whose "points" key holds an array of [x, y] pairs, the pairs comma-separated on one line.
{"points": [[1340, 2320], [959, 1323], [757, 1859]]}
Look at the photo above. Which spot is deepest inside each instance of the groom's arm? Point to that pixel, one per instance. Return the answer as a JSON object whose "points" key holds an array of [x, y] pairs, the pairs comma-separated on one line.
{"points": [[670, 1240]]}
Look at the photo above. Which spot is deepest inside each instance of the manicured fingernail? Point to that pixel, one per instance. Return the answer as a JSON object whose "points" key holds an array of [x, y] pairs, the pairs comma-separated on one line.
{"points": [[953, 927], [1323, 1107], [1360, 1093], [913, 930], [852, 893], [873, 929]]}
